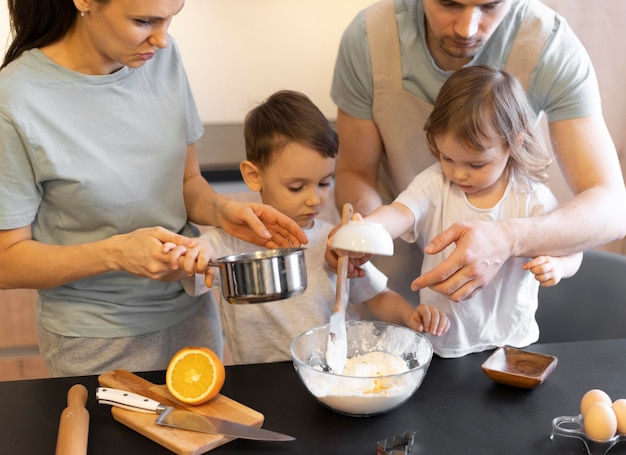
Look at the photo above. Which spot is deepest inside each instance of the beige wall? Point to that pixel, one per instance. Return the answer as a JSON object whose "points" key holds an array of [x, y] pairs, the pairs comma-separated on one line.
{"points": [[238, 51], [600, 27]]}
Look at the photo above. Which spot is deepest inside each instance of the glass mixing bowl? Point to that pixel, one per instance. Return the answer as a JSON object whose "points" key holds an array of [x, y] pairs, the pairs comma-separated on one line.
{"points": [[362, 396]]}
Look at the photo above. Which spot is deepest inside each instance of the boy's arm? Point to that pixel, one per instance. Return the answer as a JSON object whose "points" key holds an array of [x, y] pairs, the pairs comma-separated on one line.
{"points": [[390, 306]]}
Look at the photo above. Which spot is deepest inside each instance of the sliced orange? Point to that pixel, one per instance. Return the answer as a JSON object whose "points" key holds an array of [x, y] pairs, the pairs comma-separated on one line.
{"points": [[195, 375]]}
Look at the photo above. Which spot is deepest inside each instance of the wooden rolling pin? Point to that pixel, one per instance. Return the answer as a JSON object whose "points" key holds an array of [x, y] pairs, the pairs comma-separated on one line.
{"points": [[74, 424]]}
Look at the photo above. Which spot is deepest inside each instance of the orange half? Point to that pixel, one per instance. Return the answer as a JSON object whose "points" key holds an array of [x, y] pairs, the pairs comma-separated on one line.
{"points": [[195, 375]]}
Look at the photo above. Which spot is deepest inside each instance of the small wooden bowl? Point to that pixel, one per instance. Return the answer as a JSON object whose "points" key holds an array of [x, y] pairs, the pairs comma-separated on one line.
{"points": [[519, 368]]}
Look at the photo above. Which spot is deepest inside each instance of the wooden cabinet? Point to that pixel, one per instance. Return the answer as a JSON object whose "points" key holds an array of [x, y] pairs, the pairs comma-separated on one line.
{"points": [[19, 354]]}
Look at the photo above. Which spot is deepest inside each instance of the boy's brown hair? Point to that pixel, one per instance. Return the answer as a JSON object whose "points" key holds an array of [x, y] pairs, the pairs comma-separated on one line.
{"points": [[287, 116]]}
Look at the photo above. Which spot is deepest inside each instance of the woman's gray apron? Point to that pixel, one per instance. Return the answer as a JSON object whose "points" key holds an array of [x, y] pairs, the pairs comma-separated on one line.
{"points": [[400, 117]]}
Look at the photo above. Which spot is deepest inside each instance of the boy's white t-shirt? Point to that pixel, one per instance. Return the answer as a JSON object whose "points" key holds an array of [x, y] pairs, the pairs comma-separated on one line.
{"points": [[263, 332], [503, 312]]}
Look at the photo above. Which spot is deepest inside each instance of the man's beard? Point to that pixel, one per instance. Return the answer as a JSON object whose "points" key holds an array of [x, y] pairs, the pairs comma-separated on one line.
{"points": [[447, 45]]}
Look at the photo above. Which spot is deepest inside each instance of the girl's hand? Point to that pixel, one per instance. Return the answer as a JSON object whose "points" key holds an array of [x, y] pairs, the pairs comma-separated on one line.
{"points": [[548, 270], [427, 318]]}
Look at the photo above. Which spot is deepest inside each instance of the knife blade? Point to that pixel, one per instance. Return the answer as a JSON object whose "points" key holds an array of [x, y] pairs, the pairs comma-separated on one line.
{"points": [[171, 417]]}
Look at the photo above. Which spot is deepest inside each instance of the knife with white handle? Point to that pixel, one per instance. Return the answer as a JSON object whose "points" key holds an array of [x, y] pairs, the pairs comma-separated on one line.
{"points": [[171, 417]]}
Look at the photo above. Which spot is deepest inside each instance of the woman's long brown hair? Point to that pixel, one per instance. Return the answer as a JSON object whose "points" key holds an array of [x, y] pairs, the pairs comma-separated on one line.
{"points": [[37, 23]]}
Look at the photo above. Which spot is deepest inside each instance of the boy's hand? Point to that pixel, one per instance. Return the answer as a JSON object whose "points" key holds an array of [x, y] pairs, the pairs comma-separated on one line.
{"points": [[192, 259], [354, 264], [356, 259], [174, 252]]}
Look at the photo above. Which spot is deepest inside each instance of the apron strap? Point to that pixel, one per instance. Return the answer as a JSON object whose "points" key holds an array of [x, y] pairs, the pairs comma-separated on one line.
{"points": [[384, 44], [382, 33], [538, 24]]}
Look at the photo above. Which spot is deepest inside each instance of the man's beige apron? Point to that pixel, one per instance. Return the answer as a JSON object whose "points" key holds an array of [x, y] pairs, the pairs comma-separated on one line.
{"points": [[400, 117]]}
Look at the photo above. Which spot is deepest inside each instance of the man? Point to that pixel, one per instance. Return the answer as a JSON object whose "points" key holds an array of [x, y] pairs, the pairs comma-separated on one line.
{"points": [[393, 59]]}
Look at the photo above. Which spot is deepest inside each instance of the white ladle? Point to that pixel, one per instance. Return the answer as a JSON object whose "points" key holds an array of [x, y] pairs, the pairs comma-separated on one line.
{"points": [[358, 236], [363, 237]]}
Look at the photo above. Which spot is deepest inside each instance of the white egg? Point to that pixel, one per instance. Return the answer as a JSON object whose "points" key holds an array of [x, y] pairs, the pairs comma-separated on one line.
{"points": [[599, 422], [594, 396], [619, 408]]}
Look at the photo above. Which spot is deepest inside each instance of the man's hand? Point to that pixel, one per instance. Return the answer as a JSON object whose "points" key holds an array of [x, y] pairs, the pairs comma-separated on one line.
{"points": [[480, 250]]}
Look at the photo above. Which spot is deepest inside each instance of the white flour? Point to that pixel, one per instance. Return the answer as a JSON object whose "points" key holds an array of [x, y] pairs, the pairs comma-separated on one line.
{"points": [[374, 364], [365, 387]]}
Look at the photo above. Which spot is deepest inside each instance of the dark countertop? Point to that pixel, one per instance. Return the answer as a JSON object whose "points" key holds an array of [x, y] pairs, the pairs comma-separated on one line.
{"points": [[457, 409]]}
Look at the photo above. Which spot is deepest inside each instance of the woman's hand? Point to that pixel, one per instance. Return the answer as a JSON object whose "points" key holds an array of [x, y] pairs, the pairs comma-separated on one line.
{"points": [[255, 223], [260, 224], [142, 252], [139, 253]]}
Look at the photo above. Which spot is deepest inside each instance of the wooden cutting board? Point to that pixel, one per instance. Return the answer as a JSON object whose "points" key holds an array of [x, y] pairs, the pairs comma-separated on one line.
{"points": [[182, 442]]}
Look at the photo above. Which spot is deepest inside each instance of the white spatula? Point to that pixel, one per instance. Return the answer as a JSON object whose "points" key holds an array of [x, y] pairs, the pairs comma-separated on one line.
{"points": [[337, 348]]}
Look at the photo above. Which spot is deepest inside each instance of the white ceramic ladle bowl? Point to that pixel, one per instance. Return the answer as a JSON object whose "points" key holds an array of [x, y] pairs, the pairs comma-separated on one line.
{"points": [[363, 237]]}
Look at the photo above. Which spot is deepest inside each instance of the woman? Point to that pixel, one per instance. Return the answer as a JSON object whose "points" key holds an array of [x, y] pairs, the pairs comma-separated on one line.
{"points": [[97, 132]]}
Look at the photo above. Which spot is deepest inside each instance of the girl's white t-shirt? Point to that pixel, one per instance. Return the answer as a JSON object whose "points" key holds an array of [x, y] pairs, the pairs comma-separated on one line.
{"points": [[501, 313]]}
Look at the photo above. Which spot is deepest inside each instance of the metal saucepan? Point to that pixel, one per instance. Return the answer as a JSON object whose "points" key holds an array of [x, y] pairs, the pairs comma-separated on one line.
{"points": [[262, 276]]}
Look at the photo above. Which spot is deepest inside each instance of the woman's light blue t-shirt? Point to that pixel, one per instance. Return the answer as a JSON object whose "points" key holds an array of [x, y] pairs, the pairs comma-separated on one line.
{"points": [[88, 157]]}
